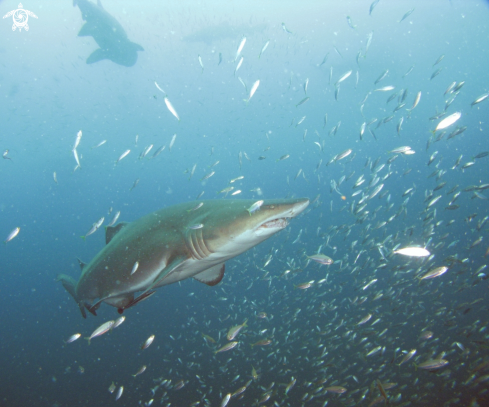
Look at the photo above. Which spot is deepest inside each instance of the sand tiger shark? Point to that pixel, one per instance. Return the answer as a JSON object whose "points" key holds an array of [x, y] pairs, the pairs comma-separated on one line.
{"points": [[173, 244], [108, 34]]}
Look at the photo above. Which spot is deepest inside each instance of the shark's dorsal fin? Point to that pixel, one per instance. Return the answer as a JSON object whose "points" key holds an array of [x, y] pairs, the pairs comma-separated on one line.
{"points": [[111, 231], [99, 3], [211, 276], [82, 265]]}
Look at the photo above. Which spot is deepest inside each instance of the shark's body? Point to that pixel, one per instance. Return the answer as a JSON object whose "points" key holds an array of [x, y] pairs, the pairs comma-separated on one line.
{"points": [[174, 244], [108, 34]]}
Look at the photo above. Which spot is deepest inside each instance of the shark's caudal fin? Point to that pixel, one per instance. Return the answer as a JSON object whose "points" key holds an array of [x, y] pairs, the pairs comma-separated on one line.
{"points": [[69, 284]]}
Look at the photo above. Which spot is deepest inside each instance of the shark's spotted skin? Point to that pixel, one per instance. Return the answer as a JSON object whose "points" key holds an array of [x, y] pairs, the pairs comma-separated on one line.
{"points": [[169, 250], [108, 34]]}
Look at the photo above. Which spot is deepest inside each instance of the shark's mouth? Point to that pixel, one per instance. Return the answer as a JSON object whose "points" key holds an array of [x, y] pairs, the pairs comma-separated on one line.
{"points": [[279, 223]]}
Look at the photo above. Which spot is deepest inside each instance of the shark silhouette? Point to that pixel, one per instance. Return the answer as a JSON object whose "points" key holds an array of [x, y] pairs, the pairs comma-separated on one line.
{"points": [[108, 34]]}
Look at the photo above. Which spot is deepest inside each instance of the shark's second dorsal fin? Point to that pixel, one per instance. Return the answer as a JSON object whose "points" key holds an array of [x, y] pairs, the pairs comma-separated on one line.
{"points": [[111, 231], [211, 276], [82, 265]]}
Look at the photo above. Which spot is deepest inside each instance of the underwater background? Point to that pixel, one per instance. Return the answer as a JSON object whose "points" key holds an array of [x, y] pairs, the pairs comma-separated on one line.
{"points": [[304, 108]]}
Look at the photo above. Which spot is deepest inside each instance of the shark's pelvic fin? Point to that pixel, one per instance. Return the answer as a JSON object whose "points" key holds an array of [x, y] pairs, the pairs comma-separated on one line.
{"points": [[211, 276], [135, 301], [111, 231], [69, 284], [97, 55]]}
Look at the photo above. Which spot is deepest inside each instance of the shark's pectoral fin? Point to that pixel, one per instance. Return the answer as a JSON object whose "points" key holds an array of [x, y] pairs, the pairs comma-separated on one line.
{"points": [[97, 55], [137, 47], [111, 231], [87, 30], [211, 276], [69, 284]]}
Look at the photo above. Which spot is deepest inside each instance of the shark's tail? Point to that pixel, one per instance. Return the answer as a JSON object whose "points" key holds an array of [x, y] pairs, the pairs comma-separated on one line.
{"points": [[69, 284]]}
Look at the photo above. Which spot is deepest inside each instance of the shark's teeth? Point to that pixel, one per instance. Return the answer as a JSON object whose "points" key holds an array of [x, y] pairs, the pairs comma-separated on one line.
{"points": [[275, 223]]}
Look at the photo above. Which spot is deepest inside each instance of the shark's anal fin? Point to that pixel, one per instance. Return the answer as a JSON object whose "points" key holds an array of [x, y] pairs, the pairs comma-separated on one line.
{"points": [[82, 264], [111, 231], [211, 276], [70, 285], [135, 301]]}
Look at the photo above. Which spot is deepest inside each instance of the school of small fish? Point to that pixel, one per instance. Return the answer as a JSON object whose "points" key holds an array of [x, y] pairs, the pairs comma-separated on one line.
{"points": [[396, 272]]}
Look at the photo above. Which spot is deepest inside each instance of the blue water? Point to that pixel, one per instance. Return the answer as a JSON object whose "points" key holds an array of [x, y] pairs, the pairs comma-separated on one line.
{"points": [[48, 93]]}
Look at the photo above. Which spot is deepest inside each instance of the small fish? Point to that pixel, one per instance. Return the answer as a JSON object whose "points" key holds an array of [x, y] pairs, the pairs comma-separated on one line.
{"points": [[114, 219], [12, 235], [365, 319], [208, 176], [158, 87], [263, 342], [112, 388], [123, 155], [382, 76], [264, 48], [448, 121], [344, 154], [201, 65], [118, 321], [238, 66], [434, 273], [253, 90], [134, 185], [321, 259], [284, 157], [77, 140], [413, 252], [105, 327], [433, 364], [94, 227], [290, 385], [134, 268], [220, 59], [119, 393], [336, 389], [148, 342], [408, 356], [172, 142], [235, 330], [385, 89], [256, 206], [4, 155], [73, 338], [226, 399], [199, 205], [75, 154], [285, 29], [350, 23], [228, 346], [236, 179], [171, 108], [302, 101], [372, 6], [141, 370], [479, 99], [406, 15], [240, 48], [343, 77]]}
